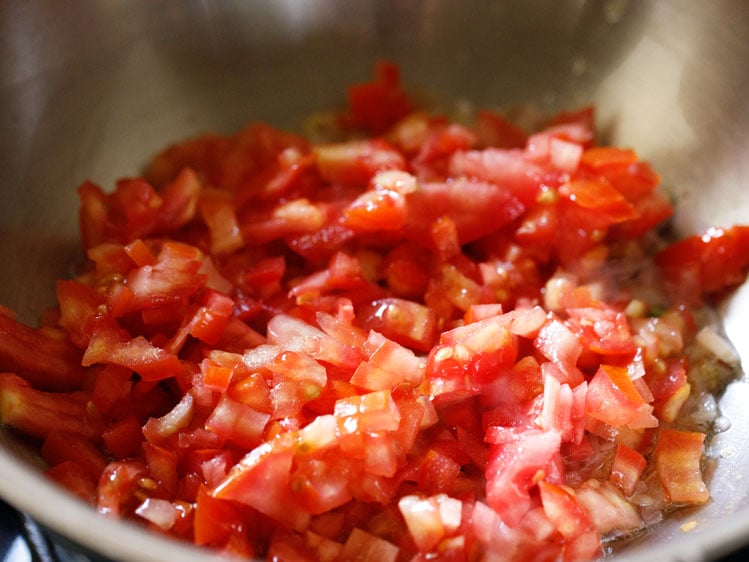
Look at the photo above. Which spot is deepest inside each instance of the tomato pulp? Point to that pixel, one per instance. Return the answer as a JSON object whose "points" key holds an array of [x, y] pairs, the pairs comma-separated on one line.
{"points": [[424, 340]]}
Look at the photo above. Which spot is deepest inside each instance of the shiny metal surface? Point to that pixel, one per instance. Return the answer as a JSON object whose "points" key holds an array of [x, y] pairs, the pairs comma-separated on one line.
{"points": [[89, 89]]}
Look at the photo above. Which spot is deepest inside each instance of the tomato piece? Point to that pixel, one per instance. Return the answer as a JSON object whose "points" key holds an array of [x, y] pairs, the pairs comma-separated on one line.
{"points": [[218, 212], [471, 355], [118, 485], [298, 216], [378, 104], [600, 158], [406, 322], [384, 207], [627, 468], [92, 214], [321, 484], [45, 357], [604, 331], [159, 429], [495, 130], [355, 163], [175, 276], [600, 197], [108, 345], [433, 159], [325, 549], [571, 521], [111, 388], [124, 437], [216, 520], [677, 462], [180, 199], [476, 208], [78, 306], [388, 366], [161, 464], [253, 391], [506, 168], [564, 409], [613, 399], [560, 345], [159, 512], [515, 460], [366, 547], [707, 263], [373, 411], [609, 510], [670, 389], [74, 478], [207, 323], [653, 209], [36, 413], [60, 446], [319, 246], [293, 334], [439, 469], [236, 422], [431, 519], [261, 480]]}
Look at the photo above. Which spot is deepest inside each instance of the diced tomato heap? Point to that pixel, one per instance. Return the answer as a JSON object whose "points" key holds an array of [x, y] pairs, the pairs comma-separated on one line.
{"points": [[408, 346]]}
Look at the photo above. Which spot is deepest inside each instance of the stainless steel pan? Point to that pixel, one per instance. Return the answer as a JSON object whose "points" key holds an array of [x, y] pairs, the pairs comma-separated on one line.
{"points": [[90, 89]]}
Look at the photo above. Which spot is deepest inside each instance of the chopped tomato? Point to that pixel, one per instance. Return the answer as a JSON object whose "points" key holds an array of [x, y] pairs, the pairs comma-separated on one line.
{"points": [[707, 263], [627, 468], [379, 104], [495, 130], [45, 358], [613, 399], [443, 341], [677, 461]]}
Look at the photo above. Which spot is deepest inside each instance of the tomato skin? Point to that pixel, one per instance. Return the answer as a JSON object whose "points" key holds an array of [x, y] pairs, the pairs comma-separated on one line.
{"points": [[471, 355], [117, 486], [109, 346], [430, 519], [376, 210], [677, 461], [476, 208], [627, 468], [37, 413], [514, 462], [389, 365], [560, 345], [74, 479], [707, 263], [124, 437], [571, 521], [237, 423], [261, 480], [406, 322], [613, 399], [364, 546], [355, 163], [604, 331], [49, 362], [218, 211], [61, 446], [494, 130], [379, 104]]}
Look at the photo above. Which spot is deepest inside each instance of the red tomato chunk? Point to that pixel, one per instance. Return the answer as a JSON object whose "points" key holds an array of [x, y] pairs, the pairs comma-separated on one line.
{"points": [[408, 346]]}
